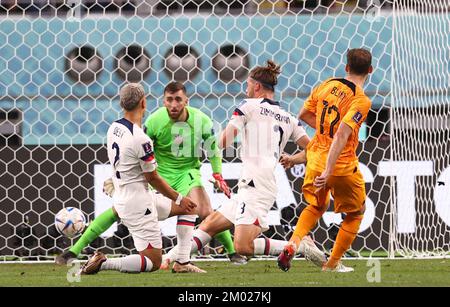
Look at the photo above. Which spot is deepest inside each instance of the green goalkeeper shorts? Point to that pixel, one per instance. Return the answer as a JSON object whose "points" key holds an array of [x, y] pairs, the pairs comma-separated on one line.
{"points": [[183, 181]]}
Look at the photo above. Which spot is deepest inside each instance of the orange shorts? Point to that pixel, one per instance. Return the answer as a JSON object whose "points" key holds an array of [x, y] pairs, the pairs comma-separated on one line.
{"points": [[349, 192]]}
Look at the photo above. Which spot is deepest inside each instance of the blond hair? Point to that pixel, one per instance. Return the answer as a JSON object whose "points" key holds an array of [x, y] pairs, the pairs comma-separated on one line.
{"points": [[130, 96]]}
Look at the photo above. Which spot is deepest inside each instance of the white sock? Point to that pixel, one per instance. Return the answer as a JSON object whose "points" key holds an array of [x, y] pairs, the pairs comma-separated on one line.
{"points": [[264, 246], [185, 228], [171, 255], [199, 240], [128, 264]]}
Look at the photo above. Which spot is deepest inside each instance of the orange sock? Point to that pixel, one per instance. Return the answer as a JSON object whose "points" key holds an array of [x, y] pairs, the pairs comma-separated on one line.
{"points": [[346, 235], [307, 220]]}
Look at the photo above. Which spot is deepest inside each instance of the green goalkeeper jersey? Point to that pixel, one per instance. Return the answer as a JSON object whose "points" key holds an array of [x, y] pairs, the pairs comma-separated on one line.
{"points": [[178, 145]]}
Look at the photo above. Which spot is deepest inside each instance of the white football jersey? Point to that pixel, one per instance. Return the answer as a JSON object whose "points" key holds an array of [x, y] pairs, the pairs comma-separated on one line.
{"points": [[265, 129], [130, 152]]}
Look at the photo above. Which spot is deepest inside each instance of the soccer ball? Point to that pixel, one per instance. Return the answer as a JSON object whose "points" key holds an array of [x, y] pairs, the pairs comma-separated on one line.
{"points": [[70, 222]]}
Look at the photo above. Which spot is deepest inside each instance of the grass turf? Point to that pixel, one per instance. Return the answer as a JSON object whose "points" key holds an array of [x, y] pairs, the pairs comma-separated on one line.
{"points": [[435, 272]]}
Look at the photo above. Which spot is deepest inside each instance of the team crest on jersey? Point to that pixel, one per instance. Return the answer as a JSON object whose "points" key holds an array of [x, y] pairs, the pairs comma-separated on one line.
{"points": [[147, 148], [178, 139], [357, 117]]}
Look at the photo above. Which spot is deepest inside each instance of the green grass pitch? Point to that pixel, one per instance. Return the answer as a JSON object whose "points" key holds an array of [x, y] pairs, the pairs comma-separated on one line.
{"points": [[435, 272]]}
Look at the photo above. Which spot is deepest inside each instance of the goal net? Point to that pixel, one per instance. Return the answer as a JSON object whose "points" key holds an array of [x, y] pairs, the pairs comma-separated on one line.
{"points": [[420, 126], [62, 64]]}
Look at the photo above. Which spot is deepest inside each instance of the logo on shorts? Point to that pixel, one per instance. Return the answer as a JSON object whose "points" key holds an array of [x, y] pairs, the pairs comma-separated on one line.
{"points": [[357, 117]]}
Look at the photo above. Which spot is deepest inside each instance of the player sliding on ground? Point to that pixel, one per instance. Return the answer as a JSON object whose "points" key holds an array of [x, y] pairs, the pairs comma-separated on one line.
{"points": [[130, 152], [265, 130], [178, 132], [336, 109]]}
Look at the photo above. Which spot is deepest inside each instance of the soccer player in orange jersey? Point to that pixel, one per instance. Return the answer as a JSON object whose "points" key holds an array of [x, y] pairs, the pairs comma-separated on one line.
{"points": [[336, 109]]}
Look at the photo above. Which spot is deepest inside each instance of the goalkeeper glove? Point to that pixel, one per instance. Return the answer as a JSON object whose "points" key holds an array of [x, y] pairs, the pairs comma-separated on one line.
{"points": [[108, 187], [221, 184]]}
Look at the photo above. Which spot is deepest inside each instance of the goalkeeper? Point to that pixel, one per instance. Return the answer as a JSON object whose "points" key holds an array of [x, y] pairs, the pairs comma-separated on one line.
{"points": [[178, 132]]}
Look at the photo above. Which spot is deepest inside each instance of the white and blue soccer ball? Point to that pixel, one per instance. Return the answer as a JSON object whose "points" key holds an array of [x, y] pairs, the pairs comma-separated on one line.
{"points": [[70, 222]]}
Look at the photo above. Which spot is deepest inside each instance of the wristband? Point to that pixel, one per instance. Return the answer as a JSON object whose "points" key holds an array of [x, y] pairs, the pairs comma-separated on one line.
{"points": [[178, 200]]}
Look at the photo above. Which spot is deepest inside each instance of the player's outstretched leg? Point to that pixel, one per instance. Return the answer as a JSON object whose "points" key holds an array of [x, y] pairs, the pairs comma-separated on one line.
{"points": [[185, 228], [186, 268], [98, 226], [148, 260], [199, 239], [346, 235], [66, 257], [265, 246], [307, 220], [225, 239], [199, 195], [93, 265], [285, 257], [307, 247], [311, 252], [172, 255], [213, 224]]}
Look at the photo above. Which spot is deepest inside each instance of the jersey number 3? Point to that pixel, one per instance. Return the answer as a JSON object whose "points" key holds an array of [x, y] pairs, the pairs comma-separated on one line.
{"points": [[243, 208], [326, 109]]}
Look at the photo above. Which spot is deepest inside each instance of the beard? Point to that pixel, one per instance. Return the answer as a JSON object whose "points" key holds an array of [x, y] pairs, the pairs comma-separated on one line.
{"points": [[175, 115]]}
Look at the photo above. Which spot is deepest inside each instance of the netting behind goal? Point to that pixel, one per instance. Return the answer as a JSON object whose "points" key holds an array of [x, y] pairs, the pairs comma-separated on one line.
{"points": [[62, 65], [420, 127]]}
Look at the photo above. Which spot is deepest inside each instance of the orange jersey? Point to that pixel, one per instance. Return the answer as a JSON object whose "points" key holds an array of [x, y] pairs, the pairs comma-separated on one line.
{"points": [[334, 101]]}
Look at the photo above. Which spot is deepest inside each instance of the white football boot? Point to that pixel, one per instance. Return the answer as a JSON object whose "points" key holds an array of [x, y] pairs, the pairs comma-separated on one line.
{"points": [[311, 252], [340, 268]]}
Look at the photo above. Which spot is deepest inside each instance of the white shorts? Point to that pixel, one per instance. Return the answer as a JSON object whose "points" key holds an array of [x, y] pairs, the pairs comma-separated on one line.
{"points": [[163, 206], [140, 210], [248, 207]]}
